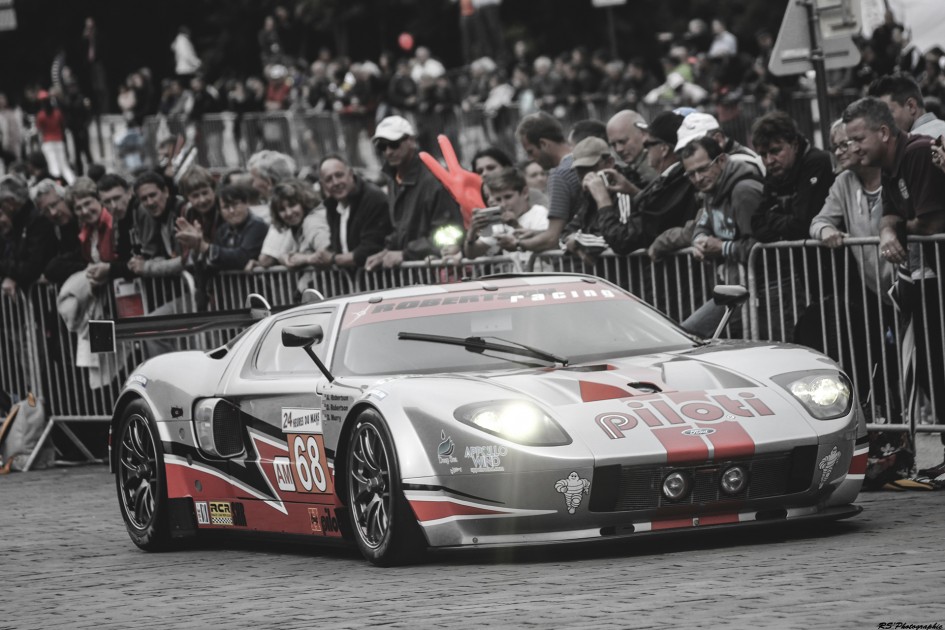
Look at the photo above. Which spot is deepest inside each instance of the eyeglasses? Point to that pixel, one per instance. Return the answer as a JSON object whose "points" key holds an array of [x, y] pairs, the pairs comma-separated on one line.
{"points": [[702, 170], [383, 145], [843, 147], [649, 144]]}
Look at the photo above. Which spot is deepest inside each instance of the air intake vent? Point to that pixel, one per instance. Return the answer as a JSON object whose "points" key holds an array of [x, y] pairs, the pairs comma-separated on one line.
{"points": [[226, 430]]}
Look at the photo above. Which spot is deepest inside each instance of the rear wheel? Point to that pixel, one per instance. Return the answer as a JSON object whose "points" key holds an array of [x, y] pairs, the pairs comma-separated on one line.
{"points": [[383, 525], [142, 487]]}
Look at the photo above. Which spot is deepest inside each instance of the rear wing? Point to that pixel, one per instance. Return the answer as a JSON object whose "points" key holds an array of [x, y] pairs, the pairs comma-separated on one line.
{"points": [[104, 335]]}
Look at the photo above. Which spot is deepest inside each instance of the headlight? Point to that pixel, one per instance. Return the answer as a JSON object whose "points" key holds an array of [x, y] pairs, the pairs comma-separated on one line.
{"points": [[826, 394], [514, 420]]}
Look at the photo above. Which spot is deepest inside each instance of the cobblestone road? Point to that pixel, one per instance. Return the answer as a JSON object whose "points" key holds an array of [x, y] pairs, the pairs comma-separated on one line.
{"points": [[67, 562]]}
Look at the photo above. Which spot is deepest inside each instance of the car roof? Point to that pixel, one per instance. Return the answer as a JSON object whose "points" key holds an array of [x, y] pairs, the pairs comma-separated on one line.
{"points": [[486, 283]]}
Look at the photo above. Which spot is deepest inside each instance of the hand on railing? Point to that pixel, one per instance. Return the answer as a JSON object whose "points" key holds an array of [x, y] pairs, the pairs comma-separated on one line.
{"points": [[8, 287], [465, 186]]}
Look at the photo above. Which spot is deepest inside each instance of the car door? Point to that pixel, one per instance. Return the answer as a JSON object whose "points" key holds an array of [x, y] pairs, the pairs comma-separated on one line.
{"points": [[284, 477]]}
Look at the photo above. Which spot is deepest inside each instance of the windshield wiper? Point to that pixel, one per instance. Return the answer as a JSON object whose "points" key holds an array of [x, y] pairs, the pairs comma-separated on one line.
{"points": [[479, 345]]}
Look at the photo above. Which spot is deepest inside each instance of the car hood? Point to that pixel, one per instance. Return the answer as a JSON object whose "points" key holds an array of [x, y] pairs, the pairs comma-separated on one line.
{"points": [[708, 403]]}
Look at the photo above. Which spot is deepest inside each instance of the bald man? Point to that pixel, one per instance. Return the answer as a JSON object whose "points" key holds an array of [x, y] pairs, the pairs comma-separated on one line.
{"points": [[626, 139]]}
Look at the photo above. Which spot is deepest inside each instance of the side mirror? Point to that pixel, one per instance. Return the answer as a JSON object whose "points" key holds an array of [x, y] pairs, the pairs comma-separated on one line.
{"points": [[310, 296], [305, 337], [733, 295], [302, 336], [730, 297]]}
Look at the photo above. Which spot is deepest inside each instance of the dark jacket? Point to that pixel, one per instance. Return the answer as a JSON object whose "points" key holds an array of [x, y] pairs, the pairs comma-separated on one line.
{"points": [[668, 201], [68, 259], [792, 202], [234, 246], [418, 205], [125, 242], [368, 223], [159, 246], [28, 247]]}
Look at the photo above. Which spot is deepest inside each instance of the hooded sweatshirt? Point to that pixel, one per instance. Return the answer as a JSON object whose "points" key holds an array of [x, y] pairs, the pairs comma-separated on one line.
{"points": [[728, 211]]}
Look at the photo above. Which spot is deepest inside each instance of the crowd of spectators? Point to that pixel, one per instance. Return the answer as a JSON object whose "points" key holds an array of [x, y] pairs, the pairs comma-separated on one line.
{"points": [[622, 182]]}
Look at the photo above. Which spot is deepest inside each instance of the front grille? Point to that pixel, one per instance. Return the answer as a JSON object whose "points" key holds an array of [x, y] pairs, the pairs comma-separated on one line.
{"points": [[226, 429], [625, 488]]}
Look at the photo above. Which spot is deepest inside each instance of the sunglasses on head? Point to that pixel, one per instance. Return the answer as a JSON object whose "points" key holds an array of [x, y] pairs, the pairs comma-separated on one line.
{"points": [[383, 145]]}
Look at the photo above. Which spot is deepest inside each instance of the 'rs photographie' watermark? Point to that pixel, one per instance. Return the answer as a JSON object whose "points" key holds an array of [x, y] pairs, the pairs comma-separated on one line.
{"points": [[900, 625]]}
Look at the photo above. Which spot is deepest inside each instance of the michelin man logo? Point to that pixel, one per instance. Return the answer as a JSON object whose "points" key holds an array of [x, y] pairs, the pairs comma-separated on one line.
{"points": [[573, 488], [827, 464]]}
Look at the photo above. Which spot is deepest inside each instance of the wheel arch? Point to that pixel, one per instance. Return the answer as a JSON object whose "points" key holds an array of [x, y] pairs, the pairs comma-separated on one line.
{"points": [[121, 404]]}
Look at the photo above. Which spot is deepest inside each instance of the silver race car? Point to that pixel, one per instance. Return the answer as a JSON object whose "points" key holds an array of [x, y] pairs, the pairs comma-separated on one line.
{"points": [[503, 411]]}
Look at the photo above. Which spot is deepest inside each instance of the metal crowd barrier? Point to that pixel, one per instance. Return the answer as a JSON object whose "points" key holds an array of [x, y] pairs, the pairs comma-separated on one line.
{"points": [[226, 140], [18, 356], [838, 301], [677, 285], [832, 300]]}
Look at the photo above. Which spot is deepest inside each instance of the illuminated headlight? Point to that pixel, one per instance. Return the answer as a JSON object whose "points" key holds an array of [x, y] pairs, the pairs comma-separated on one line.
{"points": [[516, 421], [676, 486], [825, 394], [734, 480]]}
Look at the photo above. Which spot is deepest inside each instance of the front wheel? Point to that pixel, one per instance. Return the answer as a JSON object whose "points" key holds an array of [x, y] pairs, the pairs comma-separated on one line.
{"points": [[142, 486], [384, 527]]}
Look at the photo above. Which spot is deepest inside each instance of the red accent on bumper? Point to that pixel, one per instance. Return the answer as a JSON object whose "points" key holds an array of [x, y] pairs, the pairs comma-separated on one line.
{"points": [[433, 510], [858, 464]]}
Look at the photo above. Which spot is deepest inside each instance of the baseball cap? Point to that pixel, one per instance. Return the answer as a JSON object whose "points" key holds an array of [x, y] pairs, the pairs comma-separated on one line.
{"points": [[589, 151], [663, 127], [393, 128], [695, 126]]}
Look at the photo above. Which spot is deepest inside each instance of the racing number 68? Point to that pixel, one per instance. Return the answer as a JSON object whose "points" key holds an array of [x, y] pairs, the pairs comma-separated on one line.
{"points": [[308, 465]]}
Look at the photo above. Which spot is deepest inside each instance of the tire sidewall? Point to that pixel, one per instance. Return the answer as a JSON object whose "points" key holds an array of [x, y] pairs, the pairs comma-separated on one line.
{"points": [[155, 534], [396, 547]]}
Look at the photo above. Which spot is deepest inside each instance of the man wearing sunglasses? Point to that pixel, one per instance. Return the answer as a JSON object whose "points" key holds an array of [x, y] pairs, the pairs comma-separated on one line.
{"points": [[733, 192], [419, 205]]}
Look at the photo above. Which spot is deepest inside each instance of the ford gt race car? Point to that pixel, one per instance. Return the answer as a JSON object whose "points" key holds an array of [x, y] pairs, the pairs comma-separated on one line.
{"points": [[502, 411]]}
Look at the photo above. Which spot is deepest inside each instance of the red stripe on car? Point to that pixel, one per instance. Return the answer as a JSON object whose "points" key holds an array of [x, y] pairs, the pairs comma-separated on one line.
{"points": [[591, 392], [730, 440], [434, 510], [672, 523], [680, 447], [718, 519], [858, 464]]}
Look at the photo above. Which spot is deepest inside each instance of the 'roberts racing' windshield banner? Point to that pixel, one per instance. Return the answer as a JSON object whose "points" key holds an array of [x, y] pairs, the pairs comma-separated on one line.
{"points": [[359, 314]]}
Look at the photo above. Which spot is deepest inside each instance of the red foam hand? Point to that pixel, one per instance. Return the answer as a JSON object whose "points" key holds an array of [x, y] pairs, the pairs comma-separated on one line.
{"points": [[463, 185]]}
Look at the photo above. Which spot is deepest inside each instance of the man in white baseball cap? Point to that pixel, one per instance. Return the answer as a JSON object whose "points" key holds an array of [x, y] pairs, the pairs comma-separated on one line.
{"points": [[393, 128], [698, 125], [419, 204]]}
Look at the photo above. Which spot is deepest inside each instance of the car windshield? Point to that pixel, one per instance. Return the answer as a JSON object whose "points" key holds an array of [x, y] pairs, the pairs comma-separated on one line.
{"points": [[572, 319]]}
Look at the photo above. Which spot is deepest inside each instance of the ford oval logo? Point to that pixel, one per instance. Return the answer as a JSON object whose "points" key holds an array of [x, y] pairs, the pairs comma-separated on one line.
{"points": [[698, 432]]}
